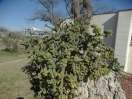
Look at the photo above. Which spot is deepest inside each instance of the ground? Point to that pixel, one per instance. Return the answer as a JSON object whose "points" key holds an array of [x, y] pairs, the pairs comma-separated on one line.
{"points": [[14, 83], [126, 84]]}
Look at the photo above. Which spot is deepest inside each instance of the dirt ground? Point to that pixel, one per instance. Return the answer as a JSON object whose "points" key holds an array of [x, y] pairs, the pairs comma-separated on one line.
{"points": [[126, 84], [14, 83]]}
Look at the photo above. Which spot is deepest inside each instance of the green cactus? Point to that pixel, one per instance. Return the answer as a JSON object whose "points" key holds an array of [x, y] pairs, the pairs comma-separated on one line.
{"points": [[58, 63]]}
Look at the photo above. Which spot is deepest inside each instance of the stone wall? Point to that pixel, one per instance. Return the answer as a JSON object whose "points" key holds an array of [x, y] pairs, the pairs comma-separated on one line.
{"points": [[106, 87]]}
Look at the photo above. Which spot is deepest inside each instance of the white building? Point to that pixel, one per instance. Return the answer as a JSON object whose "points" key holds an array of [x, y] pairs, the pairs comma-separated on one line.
{"points": [[121, 24], [34, 29], [35, 32]]}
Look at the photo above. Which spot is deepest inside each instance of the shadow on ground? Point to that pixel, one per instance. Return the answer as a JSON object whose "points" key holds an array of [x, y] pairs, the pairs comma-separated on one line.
{"points": [[20, 98], [28, 69]]}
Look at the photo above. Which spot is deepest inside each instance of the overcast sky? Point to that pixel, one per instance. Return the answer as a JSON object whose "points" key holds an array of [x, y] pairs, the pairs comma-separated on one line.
{"points": [[14, 12]]}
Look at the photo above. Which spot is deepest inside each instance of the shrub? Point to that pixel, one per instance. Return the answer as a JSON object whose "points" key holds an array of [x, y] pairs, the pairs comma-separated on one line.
{"points": [[11, 45], [12, 42], [68, 56], [15, 35]]}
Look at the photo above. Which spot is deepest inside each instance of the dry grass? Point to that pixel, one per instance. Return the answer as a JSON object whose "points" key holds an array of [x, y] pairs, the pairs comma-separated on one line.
{"points": [[14, 82], [8, 56]]}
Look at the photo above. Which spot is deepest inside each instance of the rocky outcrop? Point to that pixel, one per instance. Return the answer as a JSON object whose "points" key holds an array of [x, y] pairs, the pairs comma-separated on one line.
{"points": [[107, 87]]}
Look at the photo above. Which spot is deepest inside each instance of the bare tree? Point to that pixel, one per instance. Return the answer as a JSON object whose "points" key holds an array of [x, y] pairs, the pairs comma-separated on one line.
{"points": [[99, 7], [74, 8], [87, 8], [78, 8], [49, 13]]}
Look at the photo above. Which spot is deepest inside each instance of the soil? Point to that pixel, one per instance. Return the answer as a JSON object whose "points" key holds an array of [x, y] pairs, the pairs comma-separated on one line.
{"points": [[126, 84]]}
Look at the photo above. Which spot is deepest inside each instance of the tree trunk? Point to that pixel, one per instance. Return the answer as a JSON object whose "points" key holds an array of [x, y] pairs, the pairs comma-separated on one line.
{"points": [[88, 8], [75, 10]]}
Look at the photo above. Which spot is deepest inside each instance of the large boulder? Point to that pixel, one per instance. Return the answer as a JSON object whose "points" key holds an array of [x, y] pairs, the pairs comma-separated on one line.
{"points": [[107, 87]]}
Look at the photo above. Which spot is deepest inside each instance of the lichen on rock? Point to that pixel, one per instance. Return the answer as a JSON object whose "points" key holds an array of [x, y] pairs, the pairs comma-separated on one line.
{"points": [[106, 87]]}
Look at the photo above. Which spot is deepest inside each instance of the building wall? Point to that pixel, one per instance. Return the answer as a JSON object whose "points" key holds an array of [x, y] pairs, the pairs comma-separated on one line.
{"points": [[121, 25], [106, 22], [123, 37], [128, 67]]}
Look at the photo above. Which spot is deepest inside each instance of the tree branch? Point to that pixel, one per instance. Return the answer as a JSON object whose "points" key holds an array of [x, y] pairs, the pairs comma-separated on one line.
{"points": [[67, 3]]}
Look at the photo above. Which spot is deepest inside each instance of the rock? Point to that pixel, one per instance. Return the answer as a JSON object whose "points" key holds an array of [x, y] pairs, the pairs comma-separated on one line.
{"points": [[107, 87]]}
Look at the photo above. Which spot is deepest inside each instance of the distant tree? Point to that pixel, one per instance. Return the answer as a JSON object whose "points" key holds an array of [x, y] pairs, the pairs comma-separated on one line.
{"points": [[3, 29], [15, 35]]}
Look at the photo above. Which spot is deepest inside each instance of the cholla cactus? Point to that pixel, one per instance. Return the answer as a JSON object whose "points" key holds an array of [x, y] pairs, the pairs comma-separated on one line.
{"points": [[69, 55]]}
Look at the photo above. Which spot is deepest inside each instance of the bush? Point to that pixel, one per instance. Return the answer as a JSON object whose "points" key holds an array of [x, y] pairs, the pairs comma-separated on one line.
{"points": [[11, 45], [71, 54], [15, 35], [12, 42]]}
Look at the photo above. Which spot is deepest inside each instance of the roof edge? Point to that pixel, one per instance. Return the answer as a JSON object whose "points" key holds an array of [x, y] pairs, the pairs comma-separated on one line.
{"points": [[114, 12]]}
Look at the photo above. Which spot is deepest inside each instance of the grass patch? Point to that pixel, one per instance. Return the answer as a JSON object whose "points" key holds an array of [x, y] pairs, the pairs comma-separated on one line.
{"points": [[8, 56], [12, 79], [14, 82]]}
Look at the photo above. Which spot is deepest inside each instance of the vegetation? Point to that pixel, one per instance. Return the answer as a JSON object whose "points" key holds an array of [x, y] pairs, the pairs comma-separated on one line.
{"points": [[3, 29], [15, 35], [8, 56], [71, 54], [12, 42]]}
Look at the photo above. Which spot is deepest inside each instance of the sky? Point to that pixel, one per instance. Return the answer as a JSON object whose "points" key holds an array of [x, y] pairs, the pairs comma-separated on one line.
{"points": [[13, 13]]}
